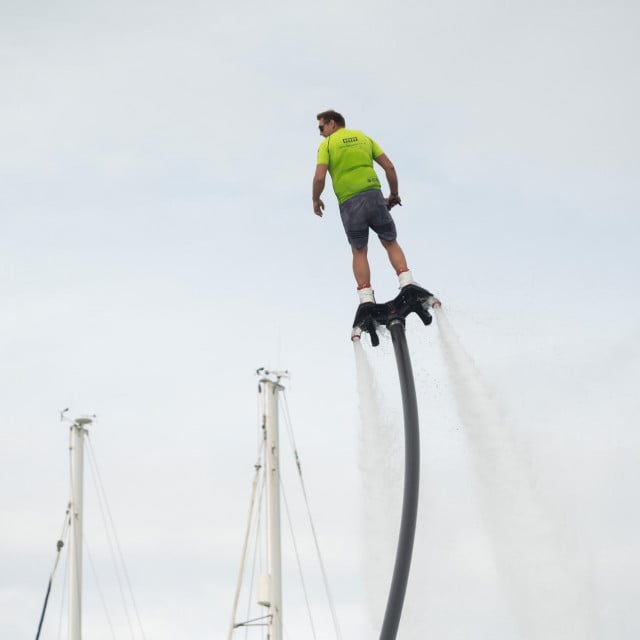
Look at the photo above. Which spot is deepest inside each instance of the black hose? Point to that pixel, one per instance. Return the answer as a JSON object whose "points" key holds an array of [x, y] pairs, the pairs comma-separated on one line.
{"points": [[411, 484]]}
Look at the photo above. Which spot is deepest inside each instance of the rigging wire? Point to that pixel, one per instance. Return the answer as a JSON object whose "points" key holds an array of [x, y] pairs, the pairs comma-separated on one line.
{"points": [[295, 547], [108, 534], [64, 585], [85, 542], [313, 528], [111, 531], [245, 545], [59, 546], [260, 418], [256, 555], [254, 524]]}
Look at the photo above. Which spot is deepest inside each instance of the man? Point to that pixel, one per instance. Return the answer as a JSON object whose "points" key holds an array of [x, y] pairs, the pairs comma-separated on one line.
{"points": [[348, 156]]}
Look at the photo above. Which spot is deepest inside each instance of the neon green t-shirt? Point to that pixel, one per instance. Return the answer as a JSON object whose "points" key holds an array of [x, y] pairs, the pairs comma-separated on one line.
{"points": [[349, 154]]}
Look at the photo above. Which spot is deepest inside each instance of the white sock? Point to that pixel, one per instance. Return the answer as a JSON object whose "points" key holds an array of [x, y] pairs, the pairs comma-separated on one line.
{"points": [[366, 295], [405, 278]]}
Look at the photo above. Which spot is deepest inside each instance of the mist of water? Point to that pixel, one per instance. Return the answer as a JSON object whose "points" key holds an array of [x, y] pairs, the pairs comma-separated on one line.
{"points": [[543, 578], [380, 466]]}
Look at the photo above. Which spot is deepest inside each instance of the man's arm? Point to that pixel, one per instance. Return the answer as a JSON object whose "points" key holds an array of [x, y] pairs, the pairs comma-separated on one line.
{"points": [[392, 178], [318, 187]]}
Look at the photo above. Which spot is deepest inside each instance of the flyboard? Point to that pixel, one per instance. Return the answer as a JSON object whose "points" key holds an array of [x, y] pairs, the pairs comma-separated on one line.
{"points": [[369, 317], [411, 299]]}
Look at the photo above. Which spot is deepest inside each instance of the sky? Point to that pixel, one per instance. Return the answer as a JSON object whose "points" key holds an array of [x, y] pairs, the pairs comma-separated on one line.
{"points": [[158, 246]]}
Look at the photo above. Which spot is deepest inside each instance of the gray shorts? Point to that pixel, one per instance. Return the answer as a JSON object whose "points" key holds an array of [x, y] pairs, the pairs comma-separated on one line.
{"points": [[367, 209]]}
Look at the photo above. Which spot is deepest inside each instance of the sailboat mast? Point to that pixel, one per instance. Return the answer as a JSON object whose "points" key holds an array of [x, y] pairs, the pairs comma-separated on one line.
{"points": [[270, 390], [76, 447]]}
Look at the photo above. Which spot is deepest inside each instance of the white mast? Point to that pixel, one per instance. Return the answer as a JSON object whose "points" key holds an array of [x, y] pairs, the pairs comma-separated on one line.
{"points": [[76, 447], [270, 387]]}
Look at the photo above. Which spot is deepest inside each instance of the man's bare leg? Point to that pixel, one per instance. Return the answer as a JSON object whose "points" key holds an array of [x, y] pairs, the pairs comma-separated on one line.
{"points": [[361, 269], [396, 256]]}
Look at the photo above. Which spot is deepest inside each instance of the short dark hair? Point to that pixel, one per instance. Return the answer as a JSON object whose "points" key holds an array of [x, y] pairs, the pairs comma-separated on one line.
{"points": [[332, 115]]}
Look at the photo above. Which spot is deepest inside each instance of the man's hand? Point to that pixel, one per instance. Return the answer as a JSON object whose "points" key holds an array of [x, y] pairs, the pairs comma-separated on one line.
{"points": [[318, 186], [393, 200]]}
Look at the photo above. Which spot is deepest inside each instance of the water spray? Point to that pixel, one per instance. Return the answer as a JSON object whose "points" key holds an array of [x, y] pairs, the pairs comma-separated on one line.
{"points": [[369, 316]]}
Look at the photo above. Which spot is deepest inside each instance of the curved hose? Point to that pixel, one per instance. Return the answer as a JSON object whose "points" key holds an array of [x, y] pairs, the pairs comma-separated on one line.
{"points": [[404, 551]]}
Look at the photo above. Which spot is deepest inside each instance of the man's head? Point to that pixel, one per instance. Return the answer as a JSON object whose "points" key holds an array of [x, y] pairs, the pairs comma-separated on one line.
{"points": [[329, 121]]}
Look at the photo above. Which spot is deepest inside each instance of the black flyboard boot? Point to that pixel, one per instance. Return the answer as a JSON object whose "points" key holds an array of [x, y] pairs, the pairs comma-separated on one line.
{"points": [[368, 316], [411, 298]]}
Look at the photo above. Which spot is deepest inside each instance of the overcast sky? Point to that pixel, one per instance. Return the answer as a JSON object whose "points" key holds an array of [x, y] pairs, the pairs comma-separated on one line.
{"points": [[158, 246]]}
